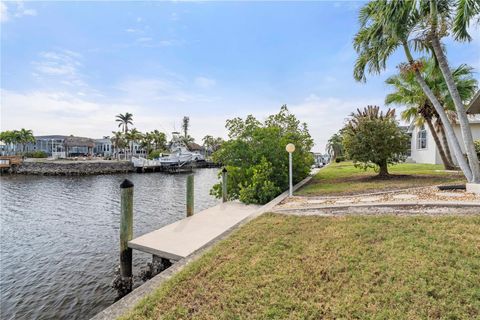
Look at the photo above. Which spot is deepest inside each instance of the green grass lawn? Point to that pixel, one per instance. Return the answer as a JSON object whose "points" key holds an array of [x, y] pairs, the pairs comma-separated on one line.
{"points": [[344, 179], [351, 267]]}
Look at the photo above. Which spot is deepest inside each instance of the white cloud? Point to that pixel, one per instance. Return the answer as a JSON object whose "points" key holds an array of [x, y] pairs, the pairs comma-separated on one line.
{"points": [[58, 112], [61, 112], [204, 83], [61, 66], [144, 39], [3, 12], [326, 115], [23, 11], [169, 92], [15, 9]]}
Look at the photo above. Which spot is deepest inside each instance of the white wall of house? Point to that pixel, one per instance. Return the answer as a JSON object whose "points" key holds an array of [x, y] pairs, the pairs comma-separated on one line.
{"points": [[424, 149], [429, 153]]}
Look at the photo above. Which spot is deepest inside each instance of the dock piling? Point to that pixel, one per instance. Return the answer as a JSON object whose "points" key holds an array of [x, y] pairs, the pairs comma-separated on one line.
{"points": [[124, 283], [190, 196], [224, 184]]}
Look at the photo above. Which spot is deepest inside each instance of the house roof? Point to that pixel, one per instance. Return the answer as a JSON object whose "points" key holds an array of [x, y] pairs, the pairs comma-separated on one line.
{"points": [[192, 146], [79, 142], [474, 106], [50, 137]]}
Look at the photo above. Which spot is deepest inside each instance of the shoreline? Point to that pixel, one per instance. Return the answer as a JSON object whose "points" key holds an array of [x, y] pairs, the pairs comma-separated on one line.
{"points": [[42, 167], [73, 168]]}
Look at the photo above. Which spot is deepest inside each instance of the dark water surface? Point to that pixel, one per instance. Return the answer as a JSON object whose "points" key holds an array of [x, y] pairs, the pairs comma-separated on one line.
{"points": [[59, 237]]}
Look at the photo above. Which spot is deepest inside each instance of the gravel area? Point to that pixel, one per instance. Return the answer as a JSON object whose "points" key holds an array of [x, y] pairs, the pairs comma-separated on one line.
{"points": [[382, 210], [426, 194]]}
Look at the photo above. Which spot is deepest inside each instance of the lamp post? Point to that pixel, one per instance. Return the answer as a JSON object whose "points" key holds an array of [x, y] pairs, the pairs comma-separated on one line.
{"points": [[290, 149]]}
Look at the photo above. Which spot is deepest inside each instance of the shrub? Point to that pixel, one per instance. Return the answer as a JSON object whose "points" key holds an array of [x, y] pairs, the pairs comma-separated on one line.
{"points": [[374, 139], [154, 154], [256, 159], [339, 159], [477, 147], [36, 154]]}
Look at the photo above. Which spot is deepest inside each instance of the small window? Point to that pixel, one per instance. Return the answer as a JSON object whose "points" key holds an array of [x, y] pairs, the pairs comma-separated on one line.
{"points": [[422, 138]]}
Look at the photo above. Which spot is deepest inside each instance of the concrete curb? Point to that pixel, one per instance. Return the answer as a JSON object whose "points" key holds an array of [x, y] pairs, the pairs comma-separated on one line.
{"points": [[385, 204], [125, 304]]}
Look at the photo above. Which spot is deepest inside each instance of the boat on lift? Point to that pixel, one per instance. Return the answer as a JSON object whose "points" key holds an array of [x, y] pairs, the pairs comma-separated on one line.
{"points": [[179, 155]]}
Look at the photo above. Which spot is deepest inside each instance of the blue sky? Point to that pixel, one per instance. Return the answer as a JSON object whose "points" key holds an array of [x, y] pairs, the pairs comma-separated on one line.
{"points": [[70, 67]]}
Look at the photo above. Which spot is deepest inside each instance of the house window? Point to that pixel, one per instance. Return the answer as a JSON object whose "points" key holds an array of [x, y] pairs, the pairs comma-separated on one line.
{"points": [[422, 138]]}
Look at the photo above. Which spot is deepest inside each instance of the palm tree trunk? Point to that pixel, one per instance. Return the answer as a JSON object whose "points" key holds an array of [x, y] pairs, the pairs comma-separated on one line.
{"points": [[446, 147], [443, 116], [446, 164], [460, 108]]}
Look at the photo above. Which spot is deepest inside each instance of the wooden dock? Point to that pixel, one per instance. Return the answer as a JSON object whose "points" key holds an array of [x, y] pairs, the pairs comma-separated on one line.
{"points": [[10, 162], [180, 239]]}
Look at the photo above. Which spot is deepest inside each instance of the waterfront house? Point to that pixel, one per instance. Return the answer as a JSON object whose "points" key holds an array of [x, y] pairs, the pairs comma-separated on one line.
{"points": [[60, 146], [78, 146], [423, 147], [103, 147], [52, 145]]}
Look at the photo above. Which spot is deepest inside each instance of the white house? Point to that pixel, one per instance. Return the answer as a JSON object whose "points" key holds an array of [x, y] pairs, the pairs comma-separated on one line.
{"points": [[423, 147]]}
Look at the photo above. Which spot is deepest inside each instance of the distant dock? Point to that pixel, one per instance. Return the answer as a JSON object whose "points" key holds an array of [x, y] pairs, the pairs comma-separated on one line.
{"points": [[10, 163], [153, 166]]}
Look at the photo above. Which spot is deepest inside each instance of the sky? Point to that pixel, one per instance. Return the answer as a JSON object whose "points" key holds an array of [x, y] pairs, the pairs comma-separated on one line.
{"points": [[70, 67]]}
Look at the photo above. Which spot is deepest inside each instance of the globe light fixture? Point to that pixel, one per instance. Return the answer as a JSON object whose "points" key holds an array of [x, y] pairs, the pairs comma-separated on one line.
{"points": [[290, 149]]}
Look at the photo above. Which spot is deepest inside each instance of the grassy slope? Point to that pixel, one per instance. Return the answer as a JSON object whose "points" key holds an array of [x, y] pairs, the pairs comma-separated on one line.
{"points": [[343, 178], [285, 267]]}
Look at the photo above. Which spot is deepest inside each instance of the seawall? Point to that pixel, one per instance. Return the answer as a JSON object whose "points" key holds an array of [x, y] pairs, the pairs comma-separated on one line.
{"points": [[76, 168]]}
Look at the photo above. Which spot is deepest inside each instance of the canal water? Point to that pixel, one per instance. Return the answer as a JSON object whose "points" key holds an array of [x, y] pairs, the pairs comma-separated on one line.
{"points": [[59, 237]]}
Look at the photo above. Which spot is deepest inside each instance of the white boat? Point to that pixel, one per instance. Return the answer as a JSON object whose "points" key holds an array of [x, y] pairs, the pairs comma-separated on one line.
{"points": [[179, 155]]}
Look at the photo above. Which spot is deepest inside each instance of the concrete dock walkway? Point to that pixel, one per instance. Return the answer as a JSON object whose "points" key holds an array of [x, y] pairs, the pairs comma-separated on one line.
{"points": [[182, 238]]}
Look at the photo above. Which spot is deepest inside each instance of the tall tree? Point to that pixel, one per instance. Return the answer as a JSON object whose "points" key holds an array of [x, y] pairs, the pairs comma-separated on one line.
{"points": [[384, 27], [124, 120], [212, 144], [255, 156], [439, 21], [185, 126], [374, 139], [419, 109], [25, 136], [335, 146], [159, 140], [118, 142], [132, 137]]}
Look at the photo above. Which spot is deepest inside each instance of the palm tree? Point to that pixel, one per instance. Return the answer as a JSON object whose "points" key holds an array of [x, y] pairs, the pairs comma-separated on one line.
{"points": [[419, 108], [384, 27], [159, 140], [132, 137], [8, 138], [335, 146], [438, 21], [147, 141], [15, 138], [185, 125], [124, 120], [118, 142], [212, 144], [24, 137]]}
